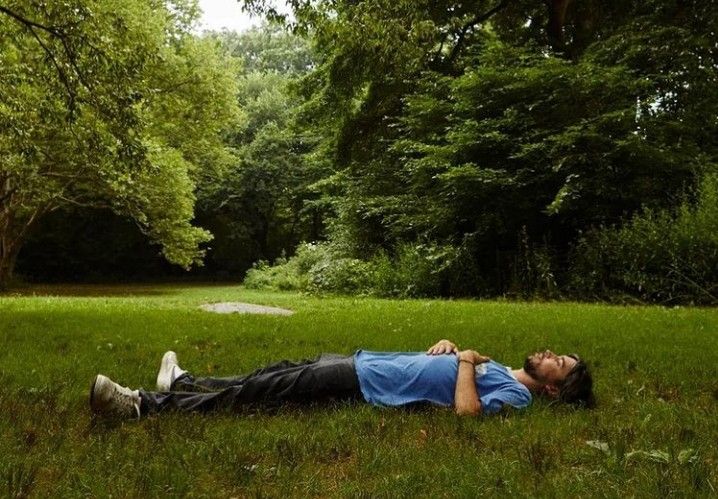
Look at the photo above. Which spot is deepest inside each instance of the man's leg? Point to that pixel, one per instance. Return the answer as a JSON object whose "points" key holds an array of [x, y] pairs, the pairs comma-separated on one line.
{"points": [[186, 382], [327, 378]]}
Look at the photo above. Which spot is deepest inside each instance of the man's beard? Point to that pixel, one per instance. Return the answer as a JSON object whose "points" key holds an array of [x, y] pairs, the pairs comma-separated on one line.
{"points": [[530, 369]]}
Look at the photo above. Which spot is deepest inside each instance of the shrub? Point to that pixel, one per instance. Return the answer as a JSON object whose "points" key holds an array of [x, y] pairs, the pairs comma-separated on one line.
{"points": [[657, 256], [315, 267], [533, 270], [282, 276], [340, 275], [287, 274], [417, 270]]}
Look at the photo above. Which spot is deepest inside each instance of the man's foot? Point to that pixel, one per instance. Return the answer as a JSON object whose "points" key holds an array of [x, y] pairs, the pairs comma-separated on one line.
{"points": [[169, 372], [110, 399]]}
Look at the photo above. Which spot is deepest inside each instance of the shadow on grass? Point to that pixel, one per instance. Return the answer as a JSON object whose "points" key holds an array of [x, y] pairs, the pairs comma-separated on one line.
{"points": [[263, 412], [102, 290], [290, 411]]}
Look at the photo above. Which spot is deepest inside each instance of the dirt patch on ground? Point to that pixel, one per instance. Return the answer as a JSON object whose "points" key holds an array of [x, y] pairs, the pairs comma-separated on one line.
{"points": [[234, 307]]}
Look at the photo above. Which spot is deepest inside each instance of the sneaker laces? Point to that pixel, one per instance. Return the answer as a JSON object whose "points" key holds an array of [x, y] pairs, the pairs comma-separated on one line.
{"points": [[127, 399]]}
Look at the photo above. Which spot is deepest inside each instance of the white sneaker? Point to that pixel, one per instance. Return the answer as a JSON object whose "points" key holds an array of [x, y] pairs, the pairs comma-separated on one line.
{"points": [[109, 398], [169, 372]]}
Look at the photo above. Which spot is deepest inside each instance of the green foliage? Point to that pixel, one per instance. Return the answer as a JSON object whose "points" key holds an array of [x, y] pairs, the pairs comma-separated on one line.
{"points": [[415, 271], [663, 256], [340, 275], [287, 274], [116, 105], [442, 148], [314, 268], [534, 270], [249, 174], [280, 277], [475, 126], [256, 207], [268, 48], [165, 205]]}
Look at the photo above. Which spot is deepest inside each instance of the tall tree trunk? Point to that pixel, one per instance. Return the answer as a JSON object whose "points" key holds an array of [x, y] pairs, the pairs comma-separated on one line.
{"points": [[556, 20], [12, 235], [263, 237], [8, 257]]}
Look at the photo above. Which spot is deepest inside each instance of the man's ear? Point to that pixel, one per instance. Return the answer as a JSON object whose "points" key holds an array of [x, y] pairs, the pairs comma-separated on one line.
{"points": [[551, 391]]}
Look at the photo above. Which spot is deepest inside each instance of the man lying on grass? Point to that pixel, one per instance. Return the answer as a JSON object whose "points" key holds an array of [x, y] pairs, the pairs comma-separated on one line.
{"points": [[466, 380]]}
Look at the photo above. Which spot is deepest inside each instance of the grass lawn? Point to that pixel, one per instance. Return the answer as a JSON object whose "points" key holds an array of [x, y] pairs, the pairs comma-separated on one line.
{"points": [[654, 432]]}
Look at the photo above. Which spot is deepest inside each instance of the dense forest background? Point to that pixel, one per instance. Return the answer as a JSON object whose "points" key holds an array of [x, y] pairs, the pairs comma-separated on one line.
{"points": [[555, 149]]}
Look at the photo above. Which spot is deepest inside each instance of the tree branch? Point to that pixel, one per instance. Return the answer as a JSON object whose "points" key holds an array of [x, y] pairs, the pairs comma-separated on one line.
{"points": [[29, 23], [31, 26], [437, 54], [7, 194], [473, 22], [188, 81], [75, 202], [73, 62], [60, 35]]}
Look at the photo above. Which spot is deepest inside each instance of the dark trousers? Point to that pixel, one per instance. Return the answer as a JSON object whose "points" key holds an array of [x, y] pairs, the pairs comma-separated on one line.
{"points": [[328, 377]]}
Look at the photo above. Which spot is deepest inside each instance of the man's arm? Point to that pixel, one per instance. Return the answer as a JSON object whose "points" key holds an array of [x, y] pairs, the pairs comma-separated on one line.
{"points": [[466, 396]]}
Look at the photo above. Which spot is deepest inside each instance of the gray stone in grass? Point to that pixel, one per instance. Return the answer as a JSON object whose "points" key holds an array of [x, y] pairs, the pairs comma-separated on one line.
{"points": [[243, 308]]}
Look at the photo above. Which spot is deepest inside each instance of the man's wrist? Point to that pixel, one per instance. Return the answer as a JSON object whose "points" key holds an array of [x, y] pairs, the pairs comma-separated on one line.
{"points": [[464, 356]]}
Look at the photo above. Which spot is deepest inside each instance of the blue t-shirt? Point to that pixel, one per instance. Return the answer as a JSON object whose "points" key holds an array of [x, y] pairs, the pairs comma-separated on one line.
{"points": [[391, 378]]}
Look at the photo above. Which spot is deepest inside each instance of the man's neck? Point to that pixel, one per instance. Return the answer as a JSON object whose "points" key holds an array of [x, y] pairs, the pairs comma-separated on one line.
{"points": [[527, 380]]}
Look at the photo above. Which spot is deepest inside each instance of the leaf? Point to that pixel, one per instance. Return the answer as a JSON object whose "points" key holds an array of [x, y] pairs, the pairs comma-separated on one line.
{"points": [[657, 456], [687, 456], [597, 444]]}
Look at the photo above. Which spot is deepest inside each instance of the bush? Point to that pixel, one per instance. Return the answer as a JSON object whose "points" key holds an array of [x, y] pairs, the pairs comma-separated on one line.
{"points": [[657, 256], [340, 275], [533, 270], [282, 276], [416, 270], [314, 267], [287, 274]]}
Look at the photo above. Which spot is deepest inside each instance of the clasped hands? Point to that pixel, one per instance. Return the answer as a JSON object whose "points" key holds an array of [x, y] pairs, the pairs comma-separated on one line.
{"points": [[446, 346]]}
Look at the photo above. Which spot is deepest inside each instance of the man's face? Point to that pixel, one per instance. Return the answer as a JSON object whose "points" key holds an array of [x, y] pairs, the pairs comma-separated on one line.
{"points": [[547, 367]]}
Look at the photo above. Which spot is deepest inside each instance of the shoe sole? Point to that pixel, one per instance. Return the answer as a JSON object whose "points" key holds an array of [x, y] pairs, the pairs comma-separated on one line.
{"points": [[92, 393], [105, 412]]}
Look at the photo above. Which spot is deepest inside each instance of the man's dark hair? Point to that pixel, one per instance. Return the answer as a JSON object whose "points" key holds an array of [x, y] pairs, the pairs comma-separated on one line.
{"points": [[577, 388]]}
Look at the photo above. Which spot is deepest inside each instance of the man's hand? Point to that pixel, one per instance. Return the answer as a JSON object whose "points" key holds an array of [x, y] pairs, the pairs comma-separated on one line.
{"points": [[442, 347], [473, 356]]}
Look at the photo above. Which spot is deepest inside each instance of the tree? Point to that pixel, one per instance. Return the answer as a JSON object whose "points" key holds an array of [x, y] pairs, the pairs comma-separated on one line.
{"points": [[484, 125], [268, 48], [259, 207], [114, 104]]}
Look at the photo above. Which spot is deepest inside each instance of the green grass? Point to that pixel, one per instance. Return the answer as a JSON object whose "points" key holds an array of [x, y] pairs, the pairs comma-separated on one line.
{"points": [[655, 371]]}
